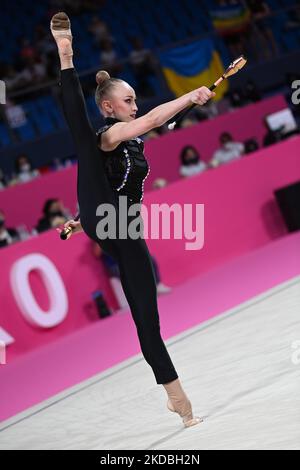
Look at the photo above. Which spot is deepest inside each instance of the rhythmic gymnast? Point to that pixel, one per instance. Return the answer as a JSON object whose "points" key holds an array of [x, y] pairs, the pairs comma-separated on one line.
{"points": [[111, 164]]}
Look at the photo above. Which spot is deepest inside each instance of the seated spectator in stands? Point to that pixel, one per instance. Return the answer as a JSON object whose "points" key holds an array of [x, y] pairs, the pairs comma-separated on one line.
{"points": [[2, 179], [251, 92], [229, 150], [15, 114], [272, 136], [187, 122], [153, 134], [24, 171], [112, 268], [35, 72], [7, 235], [207, 111], [191, 163], [60, 164], [109, 58], [100, 31], [294, 19], [261, 12], [231, 20], [27, 50], [12, 79], [159, 183], [55, 214], [236, 97], [251, 145], [43, 41], [144, 65]]}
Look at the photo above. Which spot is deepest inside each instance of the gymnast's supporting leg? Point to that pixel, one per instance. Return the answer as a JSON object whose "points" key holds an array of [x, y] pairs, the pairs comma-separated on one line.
{"points": [[138, 282], [140, 291]]}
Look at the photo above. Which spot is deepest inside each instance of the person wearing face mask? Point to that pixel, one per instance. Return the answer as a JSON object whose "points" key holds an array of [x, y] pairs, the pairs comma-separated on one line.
{"points": [[190, 162], [24, 170], [229, 150], [54, 215], [7, 235]]}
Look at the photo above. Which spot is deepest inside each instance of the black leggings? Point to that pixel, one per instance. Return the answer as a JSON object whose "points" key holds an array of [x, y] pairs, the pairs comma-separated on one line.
{"points": [[133, 257]]}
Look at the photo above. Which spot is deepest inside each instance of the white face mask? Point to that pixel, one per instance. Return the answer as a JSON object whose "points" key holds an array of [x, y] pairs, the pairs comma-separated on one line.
{"points": [[25, 167]]}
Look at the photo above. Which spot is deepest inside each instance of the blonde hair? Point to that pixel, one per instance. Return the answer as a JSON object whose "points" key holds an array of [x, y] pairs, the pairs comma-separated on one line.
{"points": [[105, 84]]}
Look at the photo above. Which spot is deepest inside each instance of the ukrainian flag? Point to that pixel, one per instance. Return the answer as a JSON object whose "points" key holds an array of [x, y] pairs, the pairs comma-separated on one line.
{"points": [[192, 66]]}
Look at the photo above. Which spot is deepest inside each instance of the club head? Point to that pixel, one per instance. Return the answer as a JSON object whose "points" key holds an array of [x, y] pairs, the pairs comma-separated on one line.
{"points": [[235, 66]]}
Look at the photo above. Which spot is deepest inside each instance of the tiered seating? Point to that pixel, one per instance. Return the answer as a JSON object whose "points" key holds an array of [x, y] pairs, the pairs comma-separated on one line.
{"points": [[157, 23]]}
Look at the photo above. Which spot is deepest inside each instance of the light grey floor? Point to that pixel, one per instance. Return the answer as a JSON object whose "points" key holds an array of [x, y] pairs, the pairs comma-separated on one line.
{"points": [[237, 370]]}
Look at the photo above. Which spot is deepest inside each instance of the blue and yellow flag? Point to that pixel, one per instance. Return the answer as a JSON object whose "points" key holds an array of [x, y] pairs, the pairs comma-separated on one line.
{"points": [[191, 66]]}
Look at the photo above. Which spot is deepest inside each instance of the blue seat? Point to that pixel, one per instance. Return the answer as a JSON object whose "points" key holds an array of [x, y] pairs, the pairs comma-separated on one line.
{"points": [[4, 136], [92, 108], [291, 40], [26, 132]]}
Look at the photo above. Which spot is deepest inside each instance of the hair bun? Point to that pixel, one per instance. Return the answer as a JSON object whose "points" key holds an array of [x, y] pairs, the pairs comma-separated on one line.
{"points": [[102, 76]]}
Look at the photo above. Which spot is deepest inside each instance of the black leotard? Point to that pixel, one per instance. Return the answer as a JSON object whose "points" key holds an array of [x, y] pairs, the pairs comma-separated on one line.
{"points": [[99, 175]]}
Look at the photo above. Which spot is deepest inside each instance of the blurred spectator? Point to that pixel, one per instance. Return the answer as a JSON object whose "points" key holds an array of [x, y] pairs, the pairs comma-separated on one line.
{"points": [[251, 145], [231, 18], [27, 50], [239, 97], [2, 179], [153, 134], [191, 164], [272, 136], [236, 97], [251, 92], [11, 77], [35, 72], [229, 150], [7, 235], [112, 268], [207, 111], [143, 64], [109, 58], [15, 114], [187, 122], [294, 19], [159, 183], [54, 215], [44, 41], [100, 31], [24, 171], [262, 23], [60, 164]]}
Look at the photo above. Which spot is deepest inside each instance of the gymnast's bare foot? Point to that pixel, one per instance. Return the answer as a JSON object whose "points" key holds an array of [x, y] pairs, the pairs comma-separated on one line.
{"points": [[61, 30]]}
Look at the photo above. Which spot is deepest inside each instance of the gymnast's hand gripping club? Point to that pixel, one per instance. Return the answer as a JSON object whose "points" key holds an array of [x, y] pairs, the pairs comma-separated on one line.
{"points": [[66, 233], [233, 68]]}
